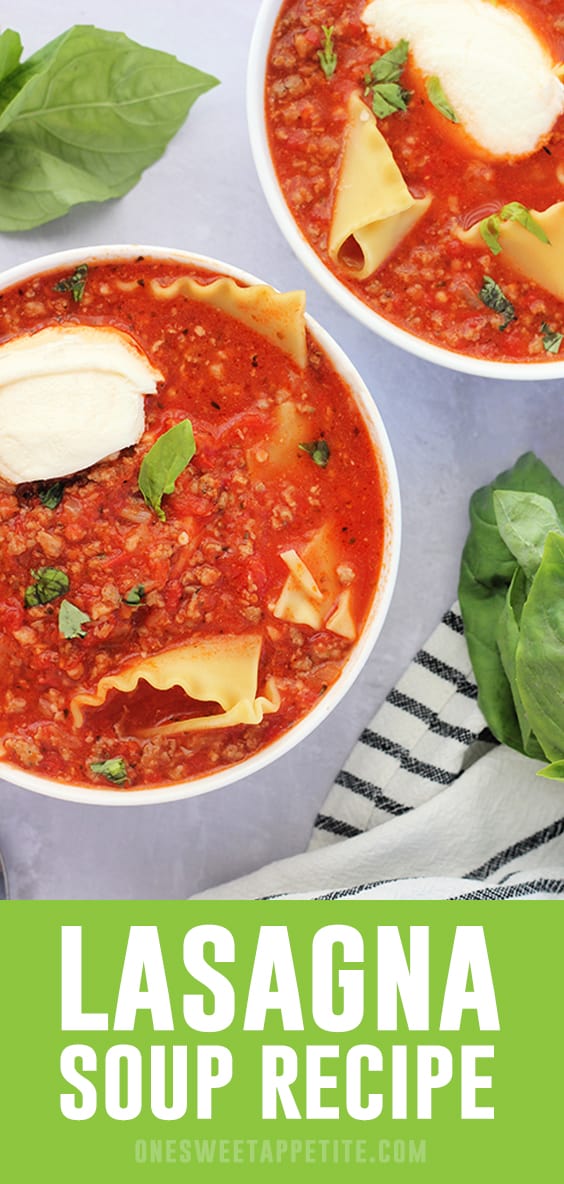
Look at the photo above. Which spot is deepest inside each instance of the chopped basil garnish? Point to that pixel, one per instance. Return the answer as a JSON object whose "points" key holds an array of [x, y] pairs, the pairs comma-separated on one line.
{"points": [[516, 212], [49, 583], [135, 595], [51, 495], [551, 339], [489, 230], [75, 283], [383, 82], [164, 462], [319, 452], [327, 56], [114, 770], [71, 620], [439, 100], [492, 295], [513, 212]]}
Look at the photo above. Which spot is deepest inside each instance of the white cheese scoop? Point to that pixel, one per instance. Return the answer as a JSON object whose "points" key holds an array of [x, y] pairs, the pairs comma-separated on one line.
{"points": [[70, 396], [497, 74]]}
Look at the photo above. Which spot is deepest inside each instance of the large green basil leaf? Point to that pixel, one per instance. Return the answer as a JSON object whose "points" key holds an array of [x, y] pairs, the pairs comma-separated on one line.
{"points": [[481, 608], [540, 652], [508, 634], [82, 119], [524, 521], [486, 574]]}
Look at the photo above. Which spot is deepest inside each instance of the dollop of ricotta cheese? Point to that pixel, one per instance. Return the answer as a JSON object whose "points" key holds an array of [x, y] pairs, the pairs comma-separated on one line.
{"points": [[498, 75], [70, 396]]}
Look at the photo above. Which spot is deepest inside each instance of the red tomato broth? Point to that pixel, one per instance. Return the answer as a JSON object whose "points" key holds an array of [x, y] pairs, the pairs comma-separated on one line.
{"points": [[212, 567], [430, 285]]}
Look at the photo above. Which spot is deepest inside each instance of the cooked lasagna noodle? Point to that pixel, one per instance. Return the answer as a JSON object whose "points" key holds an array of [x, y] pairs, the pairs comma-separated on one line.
{"points": [[373, 209], [138, 649], [538, 259], [395, 204]]}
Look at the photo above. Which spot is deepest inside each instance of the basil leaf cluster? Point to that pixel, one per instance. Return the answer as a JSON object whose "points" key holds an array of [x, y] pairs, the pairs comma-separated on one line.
{"points": [[383, 81], [512, 602], [82, 118]]}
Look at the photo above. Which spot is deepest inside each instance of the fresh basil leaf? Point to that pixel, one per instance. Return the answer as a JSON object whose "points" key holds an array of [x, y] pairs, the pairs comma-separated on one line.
{"points": [[389, 97], [382, 81], [71, 620], [492, 295], [524, 521], [551, 339], [319, 451], [481, 608], [515, 212], [81, 119], [164, 462], [489, 229], [389, 66], [10, 52], [327, 56], [135, 596], [75, 283], [554, 772], [517, 594], [114, 770], [48, 584], [508, 639], [540, 653], [487, 570], [52, 495], [437, 97]]}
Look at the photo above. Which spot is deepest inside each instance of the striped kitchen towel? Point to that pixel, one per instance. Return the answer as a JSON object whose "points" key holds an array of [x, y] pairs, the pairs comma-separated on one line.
{"points": [[428, 805]]}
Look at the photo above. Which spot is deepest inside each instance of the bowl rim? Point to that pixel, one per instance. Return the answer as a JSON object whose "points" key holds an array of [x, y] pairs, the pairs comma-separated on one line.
{"points": [[360, 652], [439, 355]]}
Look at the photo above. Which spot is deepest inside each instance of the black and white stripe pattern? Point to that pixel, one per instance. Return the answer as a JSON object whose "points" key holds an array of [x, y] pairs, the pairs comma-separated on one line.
{"points": [[544, 887], [541, 886], [428, 805], [427, 733], [418, 743]]}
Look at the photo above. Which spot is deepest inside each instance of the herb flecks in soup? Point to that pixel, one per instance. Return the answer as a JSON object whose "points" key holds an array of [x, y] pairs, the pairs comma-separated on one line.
{"points": [[174, 608], [499, 76], [401, 168]]}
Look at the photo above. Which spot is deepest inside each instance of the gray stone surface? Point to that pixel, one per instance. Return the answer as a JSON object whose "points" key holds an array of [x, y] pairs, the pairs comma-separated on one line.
{"points": [[449, 434]]}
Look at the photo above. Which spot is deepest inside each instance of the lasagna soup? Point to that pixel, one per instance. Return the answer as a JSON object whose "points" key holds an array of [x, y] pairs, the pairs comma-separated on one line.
{"points": [[419, 145], [191, 522]]}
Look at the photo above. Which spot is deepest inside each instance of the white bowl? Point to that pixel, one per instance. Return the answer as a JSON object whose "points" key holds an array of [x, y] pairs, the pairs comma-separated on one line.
{"points": [[256, 115], [363, 646]]}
